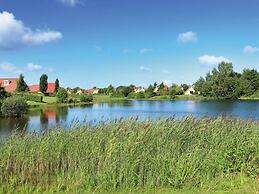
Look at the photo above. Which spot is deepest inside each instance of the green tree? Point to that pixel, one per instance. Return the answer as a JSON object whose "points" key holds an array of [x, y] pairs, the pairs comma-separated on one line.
{"points": [[86, 98], [3, 94], [110, 90], [62, 95], [43, 83], [56, 85], [21, 84], [14, 107]]}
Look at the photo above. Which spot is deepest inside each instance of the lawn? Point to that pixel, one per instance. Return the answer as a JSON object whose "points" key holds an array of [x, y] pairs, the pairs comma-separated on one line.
{"points": [[130, 156]]}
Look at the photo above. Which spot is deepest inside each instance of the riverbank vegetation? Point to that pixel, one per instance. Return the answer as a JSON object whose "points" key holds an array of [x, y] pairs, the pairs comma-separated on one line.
{"points": [[224, 83], [129, 155]]}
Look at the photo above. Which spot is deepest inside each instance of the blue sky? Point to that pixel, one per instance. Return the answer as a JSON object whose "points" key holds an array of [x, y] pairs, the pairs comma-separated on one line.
{"points": [[99, 42]]}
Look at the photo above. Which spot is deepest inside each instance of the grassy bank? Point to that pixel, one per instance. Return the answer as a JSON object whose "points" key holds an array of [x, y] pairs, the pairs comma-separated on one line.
{"points": [[163, 156]]}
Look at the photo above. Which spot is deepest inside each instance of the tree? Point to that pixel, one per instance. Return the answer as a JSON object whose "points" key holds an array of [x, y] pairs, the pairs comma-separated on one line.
{"points": [[110, 90], [86, 98], [43, 83], [14, 107], [185, 87], [56, 85], [21, 84], [62, 95], [3, 94]]}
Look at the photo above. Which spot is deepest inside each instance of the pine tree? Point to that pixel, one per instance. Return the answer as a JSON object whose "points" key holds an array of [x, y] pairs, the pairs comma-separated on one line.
{"points": [[21, 84], [56, 85], [43, 83]]}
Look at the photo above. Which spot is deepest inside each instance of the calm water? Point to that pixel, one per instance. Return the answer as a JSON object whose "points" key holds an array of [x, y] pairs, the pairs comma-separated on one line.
{"points": [[42, 120]]}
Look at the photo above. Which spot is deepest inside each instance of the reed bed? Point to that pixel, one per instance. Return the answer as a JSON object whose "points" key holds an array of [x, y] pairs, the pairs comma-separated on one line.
{"points": [[130, 155]]}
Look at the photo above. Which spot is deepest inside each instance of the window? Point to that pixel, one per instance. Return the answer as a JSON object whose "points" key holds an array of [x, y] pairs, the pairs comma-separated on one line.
{"points": [[7, 82]]}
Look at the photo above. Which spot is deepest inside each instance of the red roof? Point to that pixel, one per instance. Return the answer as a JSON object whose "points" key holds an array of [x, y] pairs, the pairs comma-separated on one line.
{"points": [[91, 91], [36, 88], [10, 85], [51, 88]]}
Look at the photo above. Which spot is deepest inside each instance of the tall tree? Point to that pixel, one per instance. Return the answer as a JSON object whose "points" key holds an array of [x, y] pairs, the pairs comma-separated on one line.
{"points": [[21, 84], [56, 85], [43, 83]]}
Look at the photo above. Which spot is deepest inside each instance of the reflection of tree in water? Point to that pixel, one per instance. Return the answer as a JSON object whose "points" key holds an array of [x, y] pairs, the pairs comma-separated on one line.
{"points": [[9, 125], [124, 103]]}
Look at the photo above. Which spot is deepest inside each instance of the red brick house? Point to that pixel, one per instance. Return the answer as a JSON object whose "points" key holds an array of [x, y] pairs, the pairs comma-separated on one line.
{"points": [[9, 84], [36, 88]]}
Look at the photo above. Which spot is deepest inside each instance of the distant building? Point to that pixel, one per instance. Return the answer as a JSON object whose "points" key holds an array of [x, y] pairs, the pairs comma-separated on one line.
{"points": [[139, 89], [36, 88], [90, 91], [165, 89], [190, 91], [9, 84]]}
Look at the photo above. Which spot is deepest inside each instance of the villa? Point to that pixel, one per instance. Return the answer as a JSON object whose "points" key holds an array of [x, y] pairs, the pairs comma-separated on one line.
{"points": [[89, 91], [190, 91], [139, 89], [9, 84]]}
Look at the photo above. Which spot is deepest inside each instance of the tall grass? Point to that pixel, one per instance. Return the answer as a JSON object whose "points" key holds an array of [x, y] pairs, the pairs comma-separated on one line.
{"points": [[132, 154]]}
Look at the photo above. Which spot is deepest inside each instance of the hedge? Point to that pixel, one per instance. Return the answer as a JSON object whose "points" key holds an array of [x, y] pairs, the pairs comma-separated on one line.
{"points": [[29, 97]]}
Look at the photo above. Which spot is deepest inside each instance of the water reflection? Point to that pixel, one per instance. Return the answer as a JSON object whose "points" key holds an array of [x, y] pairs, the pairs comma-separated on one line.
{"points": [[41, 120]]}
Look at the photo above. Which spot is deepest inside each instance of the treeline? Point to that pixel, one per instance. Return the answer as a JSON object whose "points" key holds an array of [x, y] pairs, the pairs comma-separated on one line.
{"points": [[224, 83], [153, 90]]}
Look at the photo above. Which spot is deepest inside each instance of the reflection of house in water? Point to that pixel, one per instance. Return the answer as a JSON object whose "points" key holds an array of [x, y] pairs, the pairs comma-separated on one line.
{"points": [[52, 117]]}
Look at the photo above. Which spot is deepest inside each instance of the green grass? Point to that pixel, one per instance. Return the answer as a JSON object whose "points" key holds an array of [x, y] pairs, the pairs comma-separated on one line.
{"points": [[131, 156], [105, 98]]}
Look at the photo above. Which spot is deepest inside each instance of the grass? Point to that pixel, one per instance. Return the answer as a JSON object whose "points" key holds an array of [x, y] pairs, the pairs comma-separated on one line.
{"points": [[130, 156]]}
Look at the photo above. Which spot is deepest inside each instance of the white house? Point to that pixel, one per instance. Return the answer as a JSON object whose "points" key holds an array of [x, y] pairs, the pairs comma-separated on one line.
{"points": [[190, 91], [139, 89]]}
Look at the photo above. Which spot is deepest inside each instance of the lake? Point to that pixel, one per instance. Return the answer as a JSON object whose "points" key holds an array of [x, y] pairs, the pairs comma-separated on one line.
{"points": [[40, 120]]}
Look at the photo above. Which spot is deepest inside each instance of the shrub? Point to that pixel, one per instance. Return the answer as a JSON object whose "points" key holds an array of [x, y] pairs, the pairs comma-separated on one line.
{"points": [[14, 107], [62, 95], [86, 98], [29, 97]]}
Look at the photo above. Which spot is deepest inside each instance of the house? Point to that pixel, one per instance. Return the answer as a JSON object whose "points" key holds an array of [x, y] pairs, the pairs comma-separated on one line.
{"points": [[36, 88], [190, 91], [139, 89], [79, 92], [165, 89], [9, 84], [92, 91]]}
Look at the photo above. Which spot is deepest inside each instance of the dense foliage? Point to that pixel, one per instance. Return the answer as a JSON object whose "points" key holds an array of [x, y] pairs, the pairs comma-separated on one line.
{"points": [[57, 85], [14, 107], [128, 155], [86, 98], [29, 97], [43, 83], [62, 95], [21, 84], [224, 83]]}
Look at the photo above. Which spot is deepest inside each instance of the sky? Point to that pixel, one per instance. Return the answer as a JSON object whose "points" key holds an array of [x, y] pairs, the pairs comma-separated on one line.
{"points": [[91, 43]]}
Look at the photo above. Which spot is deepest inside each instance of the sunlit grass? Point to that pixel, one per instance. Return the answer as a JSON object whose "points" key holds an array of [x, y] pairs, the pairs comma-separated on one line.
{"points": [[167, 155]]}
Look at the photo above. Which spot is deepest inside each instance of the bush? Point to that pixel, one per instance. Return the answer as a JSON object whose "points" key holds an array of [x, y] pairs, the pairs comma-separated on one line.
{"points": [[14, 107], [86, 98], [62, 95], [29, 97]]}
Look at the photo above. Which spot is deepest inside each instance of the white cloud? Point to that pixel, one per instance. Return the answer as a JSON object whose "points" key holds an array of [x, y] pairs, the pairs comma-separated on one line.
{"points": [[14, 34], [71, 3], [250, 49], [34, 67], [212, 60], [187, 37], [10, 68], [145, 50], [146, 69]]}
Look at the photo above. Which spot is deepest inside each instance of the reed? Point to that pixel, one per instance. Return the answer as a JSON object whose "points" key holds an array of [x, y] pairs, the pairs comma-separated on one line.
{"points": [[130, 155]]}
